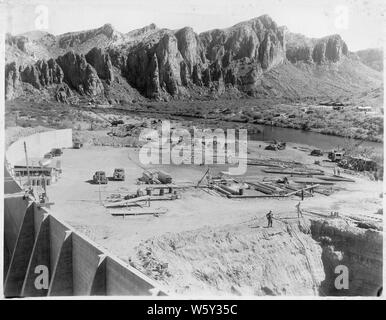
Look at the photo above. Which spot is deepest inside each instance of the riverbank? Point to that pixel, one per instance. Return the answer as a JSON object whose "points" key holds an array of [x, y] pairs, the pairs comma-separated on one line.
{"points": [[244, 113], [348, 122]]}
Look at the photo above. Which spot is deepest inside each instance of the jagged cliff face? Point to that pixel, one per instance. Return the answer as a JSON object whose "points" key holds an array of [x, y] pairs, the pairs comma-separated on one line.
{"points": [[68, 71], [324, 50], [79, 74], [164, 64], [169, 62]]}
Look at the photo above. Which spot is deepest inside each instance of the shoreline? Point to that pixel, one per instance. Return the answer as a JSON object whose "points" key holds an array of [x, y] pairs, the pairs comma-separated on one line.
{"points": [[189, 117]]}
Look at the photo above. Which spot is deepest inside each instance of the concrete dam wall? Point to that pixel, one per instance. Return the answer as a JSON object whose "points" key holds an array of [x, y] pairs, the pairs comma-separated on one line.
{"points": [[44, 256], [38, 144]]}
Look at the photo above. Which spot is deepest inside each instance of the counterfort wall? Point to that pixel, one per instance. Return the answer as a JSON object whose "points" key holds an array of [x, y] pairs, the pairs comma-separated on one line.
{"points": [[44, 256]]}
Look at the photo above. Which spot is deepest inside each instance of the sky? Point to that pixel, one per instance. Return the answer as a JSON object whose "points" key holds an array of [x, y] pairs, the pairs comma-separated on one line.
{"points": [[361, 23]]}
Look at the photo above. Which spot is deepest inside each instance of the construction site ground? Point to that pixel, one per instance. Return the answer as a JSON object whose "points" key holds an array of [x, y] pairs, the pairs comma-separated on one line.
{"points": [[78, 201]]}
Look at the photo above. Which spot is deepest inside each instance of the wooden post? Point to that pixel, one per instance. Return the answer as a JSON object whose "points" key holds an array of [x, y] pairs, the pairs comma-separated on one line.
{"points": [[100, 199], [26, 162]]}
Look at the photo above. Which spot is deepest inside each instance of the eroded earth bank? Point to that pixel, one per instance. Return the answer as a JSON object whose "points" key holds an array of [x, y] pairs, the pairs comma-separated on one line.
{"points": [[295, 257]]}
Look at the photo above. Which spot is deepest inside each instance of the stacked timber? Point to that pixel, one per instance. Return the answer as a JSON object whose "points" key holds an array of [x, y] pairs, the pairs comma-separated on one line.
{"points": [[298, 171], [233, 189], [312, 180], [221, 190], [136, 200], [336, 178], [264, 188], [139, 212]]}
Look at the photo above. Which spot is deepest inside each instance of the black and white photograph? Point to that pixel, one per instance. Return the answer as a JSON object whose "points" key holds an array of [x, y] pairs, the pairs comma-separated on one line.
{"points": [[192, 149]]}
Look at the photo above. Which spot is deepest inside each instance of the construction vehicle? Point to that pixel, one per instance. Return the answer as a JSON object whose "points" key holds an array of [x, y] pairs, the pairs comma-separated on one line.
{"points": [[56, 152], [316, 153], [99, 177], [77, 145], [335, 156], [119, 174], [114, 123], [276, 145]]}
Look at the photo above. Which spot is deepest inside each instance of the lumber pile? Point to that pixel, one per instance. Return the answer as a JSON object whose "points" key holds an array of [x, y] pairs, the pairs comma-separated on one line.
{"points": [[265, 188], [139, 212], [336, 178], [297, 171], [136, 200]]}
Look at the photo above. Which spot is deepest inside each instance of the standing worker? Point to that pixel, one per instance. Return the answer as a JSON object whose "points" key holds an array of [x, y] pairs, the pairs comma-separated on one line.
{"points": [[300, 213], [269, 216]]}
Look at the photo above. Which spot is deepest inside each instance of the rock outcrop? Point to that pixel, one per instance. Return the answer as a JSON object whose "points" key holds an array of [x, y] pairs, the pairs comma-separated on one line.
{"points": [[101, 61], [104, 34], [63, 93], [71, 68], [325, 50], [329, 49], [235, 56], [252, 57], [17, 41], [79, 74], [42, 74], [12, 81]]}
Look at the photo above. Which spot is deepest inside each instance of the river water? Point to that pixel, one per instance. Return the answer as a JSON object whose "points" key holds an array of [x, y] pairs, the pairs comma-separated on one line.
{"points": [[318, 140], [315, 139]]}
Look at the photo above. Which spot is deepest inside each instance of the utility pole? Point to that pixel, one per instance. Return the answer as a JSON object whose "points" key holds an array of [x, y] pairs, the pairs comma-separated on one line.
{"points": [[26, 162], [100, 198]]}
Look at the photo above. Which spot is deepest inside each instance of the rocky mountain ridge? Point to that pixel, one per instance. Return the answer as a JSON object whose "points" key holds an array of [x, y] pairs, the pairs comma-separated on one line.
{"points": [[163, 64]]}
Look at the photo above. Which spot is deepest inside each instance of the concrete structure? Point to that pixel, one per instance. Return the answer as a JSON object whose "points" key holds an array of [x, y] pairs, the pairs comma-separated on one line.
{"points": [[44, 256]]}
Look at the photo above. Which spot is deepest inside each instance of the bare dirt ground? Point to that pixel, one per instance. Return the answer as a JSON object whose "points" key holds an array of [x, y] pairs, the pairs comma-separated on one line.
{"points": [[77, 201]]}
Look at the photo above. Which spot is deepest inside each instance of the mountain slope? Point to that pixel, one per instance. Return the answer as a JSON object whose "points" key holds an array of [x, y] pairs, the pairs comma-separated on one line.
{"points": [[254, 57], [372, 58]]}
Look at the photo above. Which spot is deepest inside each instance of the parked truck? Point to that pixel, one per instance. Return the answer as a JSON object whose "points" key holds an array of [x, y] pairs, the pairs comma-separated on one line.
{"points": [[335, 156], [119, 174], [99, 177], [56, 152]]}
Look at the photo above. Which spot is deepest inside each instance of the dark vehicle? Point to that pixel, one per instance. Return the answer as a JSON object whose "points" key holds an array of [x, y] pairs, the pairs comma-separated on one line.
{"points": [[335, 156], [114, 123], [119, 174], [48, 155], [99, 177], [316, 153], [56, 152], [77, 145]]}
